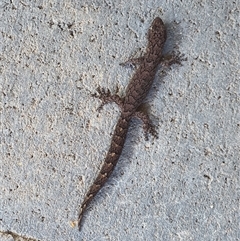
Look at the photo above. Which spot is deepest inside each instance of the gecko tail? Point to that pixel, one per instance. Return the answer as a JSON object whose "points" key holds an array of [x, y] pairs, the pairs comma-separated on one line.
{"points": [[79, 221], [110, 162], [80, 215]]}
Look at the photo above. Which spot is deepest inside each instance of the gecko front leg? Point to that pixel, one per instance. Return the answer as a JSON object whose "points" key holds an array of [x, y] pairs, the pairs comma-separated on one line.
{"points": [[106, 97], [173, 58]]}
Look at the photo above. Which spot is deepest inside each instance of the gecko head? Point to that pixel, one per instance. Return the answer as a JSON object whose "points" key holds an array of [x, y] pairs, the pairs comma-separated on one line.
{"points": [[157, 32]]}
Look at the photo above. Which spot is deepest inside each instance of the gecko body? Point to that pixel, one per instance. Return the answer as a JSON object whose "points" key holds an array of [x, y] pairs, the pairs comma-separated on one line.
{"points": [[130, 105]]}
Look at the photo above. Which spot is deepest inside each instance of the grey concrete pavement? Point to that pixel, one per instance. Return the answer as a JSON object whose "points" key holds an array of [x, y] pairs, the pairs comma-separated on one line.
{"points": [[182, 186]]}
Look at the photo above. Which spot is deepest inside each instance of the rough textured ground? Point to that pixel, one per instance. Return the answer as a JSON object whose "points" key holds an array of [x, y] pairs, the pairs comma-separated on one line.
{"points": [[182, 186]]}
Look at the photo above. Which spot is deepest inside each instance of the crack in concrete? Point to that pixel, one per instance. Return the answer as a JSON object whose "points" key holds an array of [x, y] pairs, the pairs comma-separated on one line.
{"points": [[18, 237]]}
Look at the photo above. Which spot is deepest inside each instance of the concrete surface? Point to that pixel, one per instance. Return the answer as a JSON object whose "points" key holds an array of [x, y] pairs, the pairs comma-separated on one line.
{"points": [[182, 186]]}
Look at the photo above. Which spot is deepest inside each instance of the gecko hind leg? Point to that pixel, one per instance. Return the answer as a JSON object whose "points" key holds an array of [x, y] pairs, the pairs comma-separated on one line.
{"points": [[148, 127], [106, 97]]}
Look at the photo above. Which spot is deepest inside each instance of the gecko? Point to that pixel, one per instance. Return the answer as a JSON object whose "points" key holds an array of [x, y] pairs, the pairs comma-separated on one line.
{"points": [[131, 105]]}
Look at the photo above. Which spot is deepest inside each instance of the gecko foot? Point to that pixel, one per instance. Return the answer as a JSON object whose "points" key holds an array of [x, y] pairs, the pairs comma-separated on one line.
{"points": [[103, 95], [148, 127], [106, 97], [173, 58], [133, 62]]}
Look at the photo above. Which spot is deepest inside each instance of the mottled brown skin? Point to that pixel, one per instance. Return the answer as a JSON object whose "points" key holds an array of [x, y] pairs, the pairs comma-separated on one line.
{"points": [[136, 92]]}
